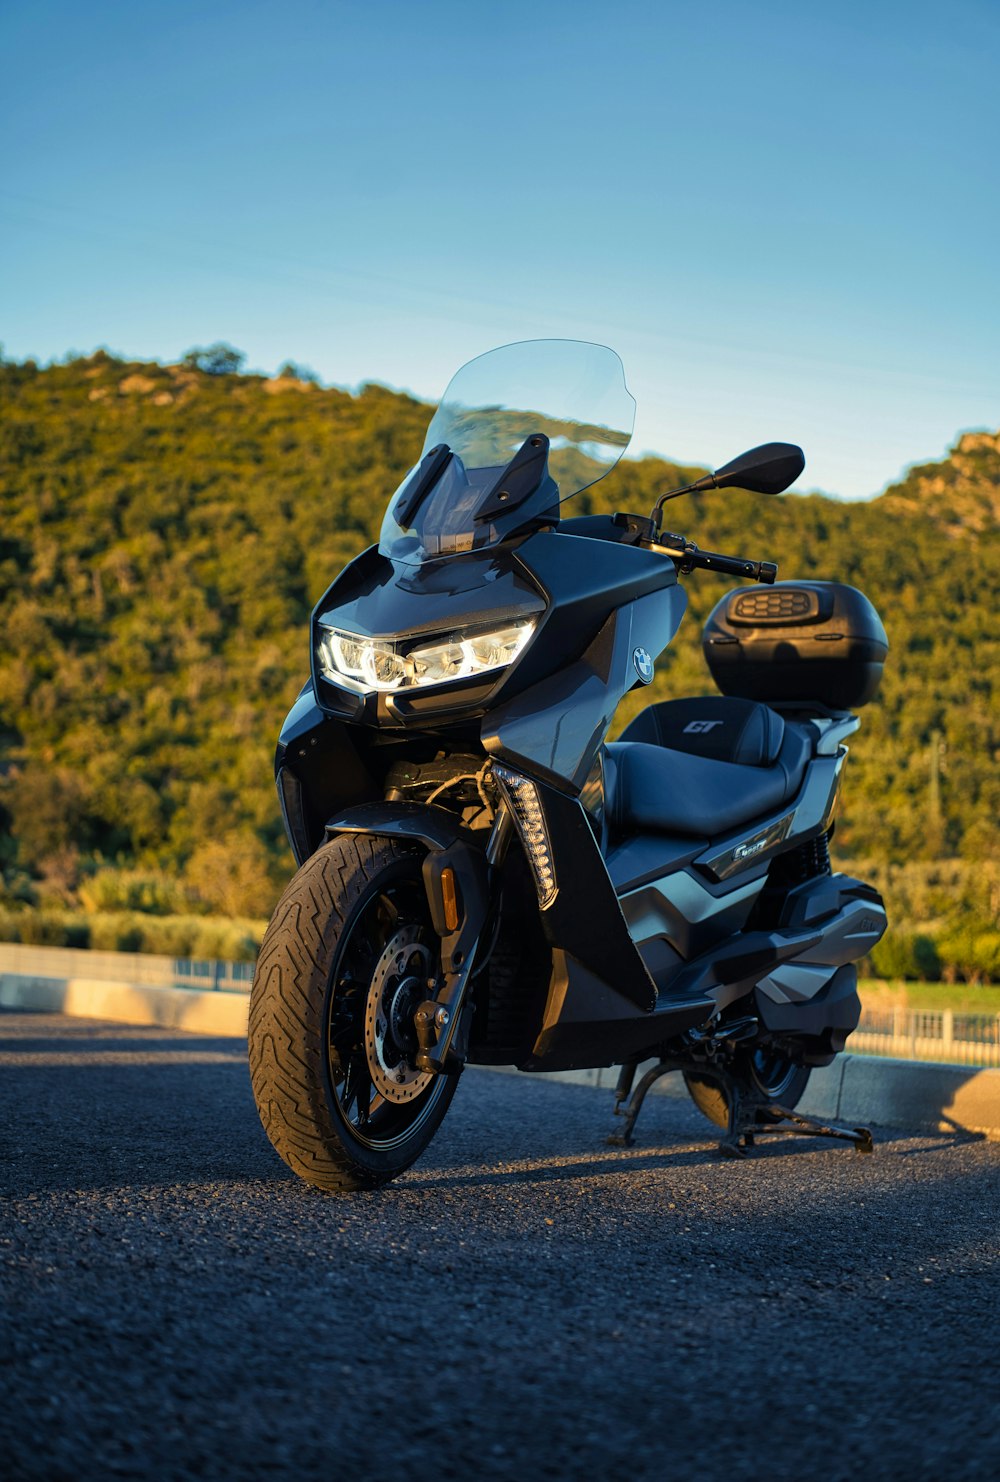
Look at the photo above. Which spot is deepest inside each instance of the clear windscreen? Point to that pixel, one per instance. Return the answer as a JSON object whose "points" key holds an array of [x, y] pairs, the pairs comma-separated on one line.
{"points": [[571, 391]]}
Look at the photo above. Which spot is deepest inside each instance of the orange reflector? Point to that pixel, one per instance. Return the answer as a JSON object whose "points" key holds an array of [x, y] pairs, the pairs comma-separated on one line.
{"points": [[449, 897]]}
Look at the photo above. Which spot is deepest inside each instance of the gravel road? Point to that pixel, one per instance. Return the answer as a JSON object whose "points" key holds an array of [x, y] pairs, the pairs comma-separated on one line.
{"points": [[525, 1303]]}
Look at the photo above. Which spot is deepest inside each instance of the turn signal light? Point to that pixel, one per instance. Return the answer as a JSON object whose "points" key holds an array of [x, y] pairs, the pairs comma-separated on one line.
{"points": [[449, 898]]}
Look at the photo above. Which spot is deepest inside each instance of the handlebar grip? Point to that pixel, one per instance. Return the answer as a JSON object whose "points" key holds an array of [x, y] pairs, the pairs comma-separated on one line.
{"points": [[764, 571], [688, 556]]}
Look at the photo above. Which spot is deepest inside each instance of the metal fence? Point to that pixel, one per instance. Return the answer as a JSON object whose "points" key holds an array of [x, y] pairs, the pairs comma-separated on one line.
{"points": [[928, 1034], [64, 963], [223, 977], [904, 1034]]}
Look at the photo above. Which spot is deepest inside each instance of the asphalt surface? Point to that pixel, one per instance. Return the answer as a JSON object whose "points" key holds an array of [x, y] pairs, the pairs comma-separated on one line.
{"points": [[525, 1303]]}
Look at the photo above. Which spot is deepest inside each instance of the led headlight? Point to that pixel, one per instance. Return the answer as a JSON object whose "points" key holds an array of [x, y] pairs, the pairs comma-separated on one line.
{"points": [[398, 664]]}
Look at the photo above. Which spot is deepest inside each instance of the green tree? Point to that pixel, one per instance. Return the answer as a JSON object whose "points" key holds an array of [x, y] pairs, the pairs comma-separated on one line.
{"points": [[219, 359]]}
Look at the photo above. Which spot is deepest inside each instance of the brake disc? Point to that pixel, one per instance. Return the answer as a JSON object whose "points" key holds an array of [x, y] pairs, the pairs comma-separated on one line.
{"points": [[398, 987]]}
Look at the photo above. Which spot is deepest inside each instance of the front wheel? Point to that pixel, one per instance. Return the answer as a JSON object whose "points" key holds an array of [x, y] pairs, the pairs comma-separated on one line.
{"points": [[767, 1074], [343, 966]]}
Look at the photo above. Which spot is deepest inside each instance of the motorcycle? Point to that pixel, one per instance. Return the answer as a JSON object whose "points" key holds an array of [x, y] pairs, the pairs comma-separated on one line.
{"points": [[483, 878]]}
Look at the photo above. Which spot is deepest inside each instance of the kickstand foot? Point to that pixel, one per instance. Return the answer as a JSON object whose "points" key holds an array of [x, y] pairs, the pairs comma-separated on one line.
{"points": [[623, 1139]]}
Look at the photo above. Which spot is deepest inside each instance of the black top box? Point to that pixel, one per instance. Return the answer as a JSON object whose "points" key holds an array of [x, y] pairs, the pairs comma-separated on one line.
{"points": [[797, 643]]}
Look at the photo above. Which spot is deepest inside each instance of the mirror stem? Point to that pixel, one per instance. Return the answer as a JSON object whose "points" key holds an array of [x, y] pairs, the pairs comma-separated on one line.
{"points": [[706, 482]]}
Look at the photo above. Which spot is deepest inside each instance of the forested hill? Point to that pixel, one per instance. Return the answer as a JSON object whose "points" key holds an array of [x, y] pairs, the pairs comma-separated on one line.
{"points": [[165, 531]]}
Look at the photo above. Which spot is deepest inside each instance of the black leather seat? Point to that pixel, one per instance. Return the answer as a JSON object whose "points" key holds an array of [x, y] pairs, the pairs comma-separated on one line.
{"points": [[703, 767]]}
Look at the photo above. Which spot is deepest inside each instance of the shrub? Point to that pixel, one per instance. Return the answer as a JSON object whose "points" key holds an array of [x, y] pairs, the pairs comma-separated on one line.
{"points": [[136, 890], [902, 954], [44, 929], [230, 941], [291, 369], [10, 925], [971, 952], [133, 931], [216, 360], [171, 936], [17, 889], [116, 932]]}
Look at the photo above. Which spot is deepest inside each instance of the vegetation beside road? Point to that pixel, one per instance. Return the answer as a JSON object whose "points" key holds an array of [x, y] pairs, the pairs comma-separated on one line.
{"points": [[164, 531], [897, 993]]}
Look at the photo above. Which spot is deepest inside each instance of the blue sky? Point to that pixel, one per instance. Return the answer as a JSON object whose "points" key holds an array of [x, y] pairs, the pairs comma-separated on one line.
{"points": [[785, 217]]}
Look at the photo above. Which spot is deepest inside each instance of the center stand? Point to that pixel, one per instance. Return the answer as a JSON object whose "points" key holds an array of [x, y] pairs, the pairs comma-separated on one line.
{"points": [[750, 1115]]}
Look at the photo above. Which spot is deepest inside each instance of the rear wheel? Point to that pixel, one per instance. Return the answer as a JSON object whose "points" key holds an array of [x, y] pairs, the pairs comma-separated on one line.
{"points": [[343, 966], [768, 1074]]}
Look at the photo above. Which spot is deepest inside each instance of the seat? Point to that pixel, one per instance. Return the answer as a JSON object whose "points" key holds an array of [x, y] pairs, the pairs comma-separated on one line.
{"points": [[703, 767], [728, 730]]}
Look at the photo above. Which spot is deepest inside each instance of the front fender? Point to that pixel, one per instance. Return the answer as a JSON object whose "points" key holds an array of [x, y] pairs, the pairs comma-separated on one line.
{"points": [[449, 847], [432, 827]]}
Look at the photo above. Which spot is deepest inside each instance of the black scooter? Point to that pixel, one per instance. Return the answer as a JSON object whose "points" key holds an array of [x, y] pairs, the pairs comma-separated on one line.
{"points": [[482, 878]]}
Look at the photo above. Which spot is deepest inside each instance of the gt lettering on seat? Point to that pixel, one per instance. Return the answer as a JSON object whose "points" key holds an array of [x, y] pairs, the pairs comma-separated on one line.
{"points": [[701, 725]]}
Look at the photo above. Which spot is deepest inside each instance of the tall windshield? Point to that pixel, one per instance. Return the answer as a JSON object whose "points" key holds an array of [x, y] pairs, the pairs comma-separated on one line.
{"points": [[570, 392]]}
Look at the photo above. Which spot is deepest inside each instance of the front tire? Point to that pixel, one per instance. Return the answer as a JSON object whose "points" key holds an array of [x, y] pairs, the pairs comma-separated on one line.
{"points": [[343, 964]]}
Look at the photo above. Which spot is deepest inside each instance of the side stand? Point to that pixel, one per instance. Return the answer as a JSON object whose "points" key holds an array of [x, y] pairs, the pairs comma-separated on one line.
{"points": [[749, 1116], [623, 1139]]}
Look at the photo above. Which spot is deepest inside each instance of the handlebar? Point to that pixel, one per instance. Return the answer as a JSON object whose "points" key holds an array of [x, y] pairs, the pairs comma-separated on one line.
{"points": [[688, 557]]}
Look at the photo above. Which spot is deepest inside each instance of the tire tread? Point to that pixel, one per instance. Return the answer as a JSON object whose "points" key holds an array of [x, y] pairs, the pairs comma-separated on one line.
{"points": [[287, 1001]]}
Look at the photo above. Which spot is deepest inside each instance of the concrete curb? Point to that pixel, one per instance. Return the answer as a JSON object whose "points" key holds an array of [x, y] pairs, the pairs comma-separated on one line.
{"points": [[128, 1003], [915, 1095]]}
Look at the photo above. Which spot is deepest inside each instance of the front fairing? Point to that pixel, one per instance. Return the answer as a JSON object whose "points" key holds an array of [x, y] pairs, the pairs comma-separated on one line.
{"points": [[594, 602], [378, 597]]}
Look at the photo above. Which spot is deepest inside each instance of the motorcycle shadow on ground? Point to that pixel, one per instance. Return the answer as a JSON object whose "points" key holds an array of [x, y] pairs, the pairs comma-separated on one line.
{"points": [[116, 1106], [671, 1134]]}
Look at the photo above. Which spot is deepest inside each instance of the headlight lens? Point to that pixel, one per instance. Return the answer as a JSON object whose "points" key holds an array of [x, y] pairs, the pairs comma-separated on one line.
{"points": [[380, 664]]}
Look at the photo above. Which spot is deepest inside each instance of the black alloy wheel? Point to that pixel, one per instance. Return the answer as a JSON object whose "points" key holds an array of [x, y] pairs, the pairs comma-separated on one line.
{"points": [[386, 959], [348, 955]]}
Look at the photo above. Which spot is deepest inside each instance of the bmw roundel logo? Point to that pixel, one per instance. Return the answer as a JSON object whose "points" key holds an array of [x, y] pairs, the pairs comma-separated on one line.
{"points": [[643, 662]]}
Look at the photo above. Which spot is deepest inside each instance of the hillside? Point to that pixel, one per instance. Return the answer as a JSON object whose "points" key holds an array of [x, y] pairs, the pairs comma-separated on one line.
{"points": [[961, 495], [165, 531]]}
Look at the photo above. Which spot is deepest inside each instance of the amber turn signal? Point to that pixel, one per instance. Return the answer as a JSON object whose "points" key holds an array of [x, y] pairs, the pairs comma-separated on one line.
{"points": [[449, 898]]}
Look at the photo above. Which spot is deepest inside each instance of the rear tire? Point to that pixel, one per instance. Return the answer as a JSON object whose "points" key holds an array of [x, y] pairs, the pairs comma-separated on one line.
{"points": [[344, 961], [769, 1075]]}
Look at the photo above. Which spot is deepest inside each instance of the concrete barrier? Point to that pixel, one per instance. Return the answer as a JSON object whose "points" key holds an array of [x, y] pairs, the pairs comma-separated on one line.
{"points": [[128, 1003], [859, 1089], [915, 1095]]}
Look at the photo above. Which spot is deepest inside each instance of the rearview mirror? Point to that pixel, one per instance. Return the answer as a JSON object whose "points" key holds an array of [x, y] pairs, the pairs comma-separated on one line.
{"points": [[765, 470]]}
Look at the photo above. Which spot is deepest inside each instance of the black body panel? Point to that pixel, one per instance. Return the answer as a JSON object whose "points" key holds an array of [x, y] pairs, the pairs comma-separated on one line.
{"points": [[606, 601], [585, 918], [826, 1019], [319, 766]]}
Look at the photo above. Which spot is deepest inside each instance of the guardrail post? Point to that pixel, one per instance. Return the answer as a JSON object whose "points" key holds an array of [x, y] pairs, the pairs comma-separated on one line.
{"points": [[947, 1028]]}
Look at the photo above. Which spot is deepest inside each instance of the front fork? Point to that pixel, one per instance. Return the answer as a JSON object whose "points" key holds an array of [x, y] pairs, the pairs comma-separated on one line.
{"points": [[460, 882]]}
